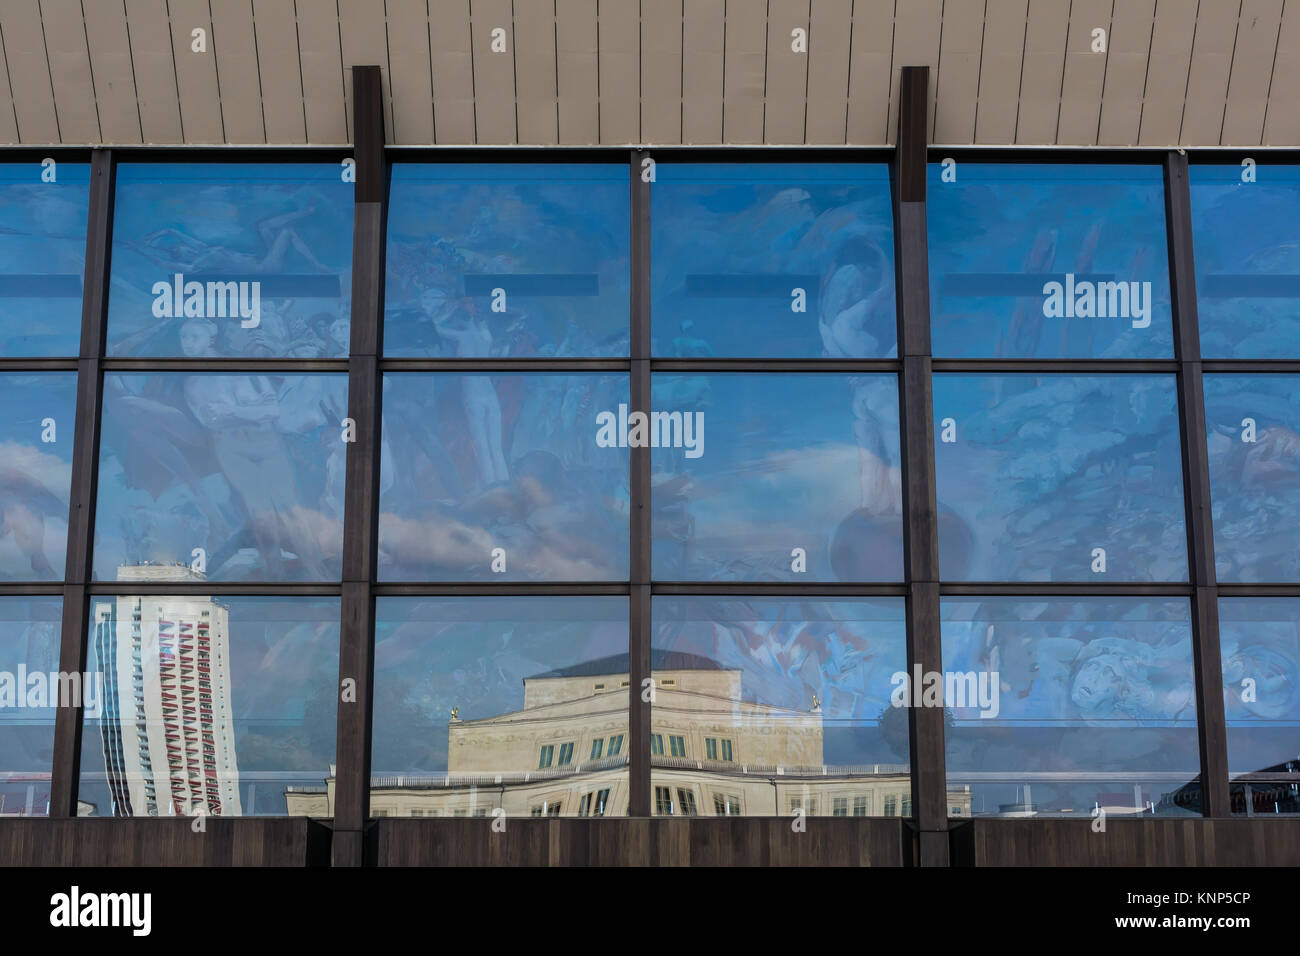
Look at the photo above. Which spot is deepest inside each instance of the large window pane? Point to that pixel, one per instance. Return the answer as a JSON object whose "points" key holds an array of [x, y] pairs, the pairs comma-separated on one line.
{"points": [[1059, 478], [1061, 707], [772, 259], [29, 695], [1247, 260], [222, 706], [1254, 440], [36, 437], [766, 706], [42, 257], [798, 478], [223, 259], [507, 259], [514, 704], [238, 475], [502, 477], [1260, 640], [999, 234]]}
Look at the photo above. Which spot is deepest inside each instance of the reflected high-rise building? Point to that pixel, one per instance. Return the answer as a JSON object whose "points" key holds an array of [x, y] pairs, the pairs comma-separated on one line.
{"points": [[565, 753], [167, 725]]}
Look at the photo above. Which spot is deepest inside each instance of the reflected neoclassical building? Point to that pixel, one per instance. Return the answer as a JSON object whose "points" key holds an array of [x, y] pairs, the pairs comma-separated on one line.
{"points": [[565, 753]]}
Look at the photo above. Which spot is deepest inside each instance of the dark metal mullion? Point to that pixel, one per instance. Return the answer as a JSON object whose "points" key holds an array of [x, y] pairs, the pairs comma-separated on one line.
{"points": [[920, 510], [1211, 723], [1050, 366], [361, 497], [85, 471], [259, 366], [639, 598]]}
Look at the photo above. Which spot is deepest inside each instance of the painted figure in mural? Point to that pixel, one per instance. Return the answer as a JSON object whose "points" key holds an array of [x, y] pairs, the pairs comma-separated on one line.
{"points": [[241, 413], [460, 323]]}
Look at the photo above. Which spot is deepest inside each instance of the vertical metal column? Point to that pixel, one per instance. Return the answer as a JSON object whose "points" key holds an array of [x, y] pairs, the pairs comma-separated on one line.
{"points": [[85, 471], [639, 634], [360, 521], [1211, 725], [920, 522]]}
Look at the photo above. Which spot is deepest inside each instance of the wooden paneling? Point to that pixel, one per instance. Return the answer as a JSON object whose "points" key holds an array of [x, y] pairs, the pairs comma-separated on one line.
{"points": [[828, 70], [702, 75], [737, 841], [106, 841]]}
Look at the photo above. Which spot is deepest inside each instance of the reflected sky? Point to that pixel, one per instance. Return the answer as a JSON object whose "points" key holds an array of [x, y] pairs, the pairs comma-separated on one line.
{"points": [[730, 244], [35, 473], [1254, 485], [788, 460], [29, 645], [1000, 232], [552, 237], [1247, 260], [249, 468], [275, 660], [42, 258], [285, 226], [472, 463], [1044, 469], [1087, 686]]}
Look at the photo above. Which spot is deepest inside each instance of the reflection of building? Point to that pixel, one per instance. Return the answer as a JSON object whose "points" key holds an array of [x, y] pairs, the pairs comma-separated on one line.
{"points": [[565, 753], [1271, 790], [167, 727]]}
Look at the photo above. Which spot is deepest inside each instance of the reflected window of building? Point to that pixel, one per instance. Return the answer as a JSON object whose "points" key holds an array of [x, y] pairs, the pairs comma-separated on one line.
{"points": [[840, 807], [43, 212], [1260, 648], [261, 251], [234, 477], [474, 697], [597, 748], [1247, 267], [1059, 707], [1049, 261], [726, 805], [799, 478], [1253, 433], [861, 806], [891, 806], [507, 259], [772, 260], [31, 691], [224, 706], [502, 477], [1053, 477], [36, 437], [800, 688], [615, 745], [686, 800], [663, 801]]}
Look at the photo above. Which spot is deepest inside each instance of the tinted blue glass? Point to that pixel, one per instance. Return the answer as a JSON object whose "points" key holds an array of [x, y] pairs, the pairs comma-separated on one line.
{"points": [[36, 435], [495, 704], [29, 696], [553, 238], [1254, 441], [223, 706], [500, 477], [1036, 473], [42, 257], [1001, 233], [765, 464], [1260, 641], [1063, 706], [281, 233], [803, 685], [239, 475], [731, 244], [1247, 260]]}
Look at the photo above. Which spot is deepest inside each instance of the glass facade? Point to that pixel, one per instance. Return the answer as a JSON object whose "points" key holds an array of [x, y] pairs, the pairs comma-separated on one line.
{"points": [[629, 487]]}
